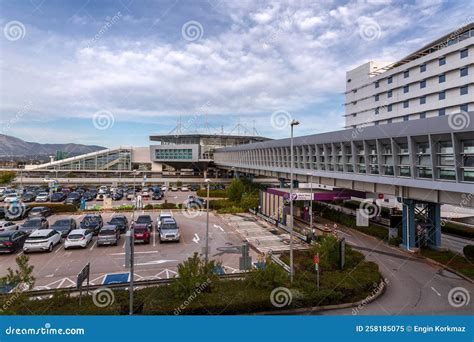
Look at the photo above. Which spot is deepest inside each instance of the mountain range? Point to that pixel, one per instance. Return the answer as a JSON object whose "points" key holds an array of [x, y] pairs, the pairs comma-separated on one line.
{"points": [[14, 148]]}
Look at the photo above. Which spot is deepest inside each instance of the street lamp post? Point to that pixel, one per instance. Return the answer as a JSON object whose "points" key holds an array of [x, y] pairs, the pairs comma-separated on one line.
{"points": [[311, 203], [208, 181], [292, 271], [132, 242]]}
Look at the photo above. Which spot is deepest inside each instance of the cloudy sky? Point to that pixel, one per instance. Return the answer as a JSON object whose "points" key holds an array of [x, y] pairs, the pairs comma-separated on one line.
{"points": [[113, 72]]}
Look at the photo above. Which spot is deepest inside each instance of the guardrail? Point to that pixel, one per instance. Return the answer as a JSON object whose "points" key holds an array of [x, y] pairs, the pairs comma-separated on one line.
{"points": [[136, 283], [277, 260]]}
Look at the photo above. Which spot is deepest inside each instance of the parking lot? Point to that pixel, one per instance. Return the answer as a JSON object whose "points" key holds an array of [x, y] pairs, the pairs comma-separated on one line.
{"points": [[155, 260]]}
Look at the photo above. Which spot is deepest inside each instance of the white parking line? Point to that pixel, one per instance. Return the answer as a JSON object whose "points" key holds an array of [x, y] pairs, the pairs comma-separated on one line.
{"points": [[154, 239], [93, 245], [219, 227], [439, 294], [145, 252]]}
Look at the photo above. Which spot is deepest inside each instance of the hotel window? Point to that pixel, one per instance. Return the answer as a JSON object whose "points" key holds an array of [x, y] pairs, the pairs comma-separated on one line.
{"points": [[405, 118], [442, 95], [463, 108], [376, 97], [422, 115], [423, 100], [423, 84], [376, 84], [389, 93], [463, 53], [377, 110], [442, 61], [390, 80], [406, 74], [389, 108], [442, 78], [463, 90], [445, 159], [405, 104], [406, 89], [468, 160], [442, 112], [463, 72], [423, 68], [389, 121]]}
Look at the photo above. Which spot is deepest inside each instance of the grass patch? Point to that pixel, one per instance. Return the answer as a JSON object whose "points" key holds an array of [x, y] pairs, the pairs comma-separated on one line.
{"points": [[451, 259]]}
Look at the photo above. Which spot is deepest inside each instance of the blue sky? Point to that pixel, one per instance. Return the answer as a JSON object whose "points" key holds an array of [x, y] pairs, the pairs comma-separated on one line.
{"points": [[114, 72]]}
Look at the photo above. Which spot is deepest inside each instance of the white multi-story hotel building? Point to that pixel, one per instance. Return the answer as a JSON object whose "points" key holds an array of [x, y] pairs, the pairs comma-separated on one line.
{"points": [[434, 81]]}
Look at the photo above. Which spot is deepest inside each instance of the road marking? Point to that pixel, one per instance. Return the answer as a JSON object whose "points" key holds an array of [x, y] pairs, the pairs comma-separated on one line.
{"points": [[154, 237], [218, 227], [439, 294], [196, 238], [145, 252], [93, 245], [154, 262]]}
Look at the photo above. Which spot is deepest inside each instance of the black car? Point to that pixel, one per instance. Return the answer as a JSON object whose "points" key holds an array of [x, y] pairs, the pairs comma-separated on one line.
{"points": [[120, 221], [64, 226], [12, 241], [156, 195], [33, 224], [145, 219], [117, 196], [28, 197], [92, 222], [40, 212], [15, 212], [2, 212], [58, 197], [194, 187], [88, 196], [73, 198]]}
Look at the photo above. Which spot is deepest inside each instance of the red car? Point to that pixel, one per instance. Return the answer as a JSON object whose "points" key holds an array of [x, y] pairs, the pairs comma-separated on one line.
{"points": [[141, 233]]}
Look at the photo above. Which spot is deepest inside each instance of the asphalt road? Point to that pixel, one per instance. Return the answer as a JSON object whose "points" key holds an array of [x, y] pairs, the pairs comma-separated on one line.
{"points": [[415, 286], [454, 243]]}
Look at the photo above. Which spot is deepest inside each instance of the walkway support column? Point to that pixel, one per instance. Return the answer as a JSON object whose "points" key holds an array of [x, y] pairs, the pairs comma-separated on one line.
{"points": [[282, 182], [434, 217], [408, 231]]}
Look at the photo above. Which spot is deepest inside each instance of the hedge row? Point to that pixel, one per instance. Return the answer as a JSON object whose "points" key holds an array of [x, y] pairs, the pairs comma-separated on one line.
{"points": [[56, 207], [212, 193], [457, 229]]}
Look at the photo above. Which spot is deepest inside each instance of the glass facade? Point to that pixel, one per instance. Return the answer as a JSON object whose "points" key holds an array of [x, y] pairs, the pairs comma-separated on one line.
{"points": [[107, 160], [174, 154]]}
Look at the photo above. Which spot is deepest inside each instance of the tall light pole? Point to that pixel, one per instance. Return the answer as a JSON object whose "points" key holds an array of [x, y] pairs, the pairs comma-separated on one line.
{"points": [[292, 271], [311, 203], [132, 242], [206, 258]]}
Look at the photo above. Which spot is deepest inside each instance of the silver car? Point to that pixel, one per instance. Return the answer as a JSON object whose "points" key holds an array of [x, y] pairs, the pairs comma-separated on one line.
{"points": [[169, 230], [108, 235]]}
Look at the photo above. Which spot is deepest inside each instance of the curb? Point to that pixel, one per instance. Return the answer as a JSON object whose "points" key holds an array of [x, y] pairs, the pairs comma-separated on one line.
{"points": [[369, 299]]}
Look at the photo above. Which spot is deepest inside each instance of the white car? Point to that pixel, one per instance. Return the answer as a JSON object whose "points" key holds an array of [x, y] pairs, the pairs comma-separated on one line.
{"points": [[164, 188], [10, 198], [160, 219], [42, 197], [102, 190], [78, 238], [174, 188], [42, 240], [184, 188], [6, 226], [2, 190]]}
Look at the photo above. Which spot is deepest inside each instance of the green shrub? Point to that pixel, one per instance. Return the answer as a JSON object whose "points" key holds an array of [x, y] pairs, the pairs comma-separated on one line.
{"points": [[454, 228], [235, 190], [7, 177], [170, 206], [468, 251], [269, 277], [148, 206], [212, 193]]}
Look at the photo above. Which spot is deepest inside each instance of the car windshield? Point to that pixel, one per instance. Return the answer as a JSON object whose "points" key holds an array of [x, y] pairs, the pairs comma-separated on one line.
{"points": [[117, 220], [74, 195], [75, 236], [4, 238], [107, 232], [169, 225], [32, 223], [43, 194], [140, 230], [37, 237], [36, 209], [143, 219]]}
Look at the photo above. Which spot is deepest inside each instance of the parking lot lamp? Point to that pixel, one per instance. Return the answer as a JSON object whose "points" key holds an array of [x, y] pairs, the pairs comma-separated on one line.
{"points": [[206, 258], [311, 203], [132, 261], [292, 271]]}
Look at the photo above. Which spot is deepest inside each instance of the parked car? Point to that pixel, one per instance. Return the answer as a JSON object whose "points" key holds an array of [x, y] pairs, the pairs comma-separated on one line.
{"points": [[160, 219], [120, 221], [88, 196], [15, 211], [2, 212], [174, 188], [117, 196], [195, 187], [42, 240], [64, 226], [108, 235], [145, 192], [40, 212], [93, 222], [157, 195], [164, 188], [42, 197], [7, 226], [184, 188], [146, 220], [78, 238], [141, 233], [130, 194], [73, 198], [10, 198], [28, 197], [169, 230], [58, 197], [11, 241], [33, 224]]}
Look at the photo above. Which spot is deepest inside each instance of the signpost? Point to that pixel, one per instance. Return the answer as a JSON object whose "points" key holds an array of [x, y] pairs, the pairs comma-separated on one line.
{"points": [[245, 261], [83, 275], [316, 267], [342, 253]]}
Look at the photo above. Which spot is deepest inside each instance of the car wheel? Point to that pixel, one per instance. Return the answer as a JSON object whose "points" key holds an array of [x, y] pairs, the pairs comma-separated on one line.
{"points": [[50, 249]]}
